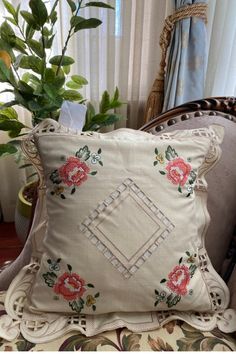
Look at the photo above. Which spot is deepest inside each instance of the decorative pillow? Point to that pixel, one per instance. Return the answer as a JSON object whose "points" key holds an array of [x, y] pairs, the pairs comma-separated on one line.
{"points": [[124, 244]]}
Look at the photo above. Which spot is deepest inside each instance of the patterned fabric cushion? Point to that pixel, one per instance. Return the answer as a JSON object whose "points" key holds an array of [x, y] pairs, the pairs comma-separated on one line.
{"points": [[174, 336], [118, 251]]}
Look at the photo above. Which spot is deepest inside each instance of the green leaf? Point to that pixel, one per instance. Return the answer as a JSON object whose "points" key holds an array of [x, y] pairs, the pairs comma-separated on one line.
{"points": [[180, 260], [49, 75], [56, 60], [188, 253], [155, 163], [162, 173], [20, 46], [66, 69], [93, 173], [53, 17], [12, 126], [11, 20], [170, 153], [87, 24], [29, 32], [105, 102], [75, 20], [69, 267], [10, 8], [37, 47], [179, 189], [73, 85], [90, 285], [97, 295], [34, 106], [72, 95], [99, 4], [7, 149], [156, 151], [30, 20], [99, 151], [9, 112], [51, 91], [72, 5], [7, 34], [25, 88], [48, 41], [31, 62], [80, 80], [116, 95], [39, 11], [163, 281], [4, 72]]}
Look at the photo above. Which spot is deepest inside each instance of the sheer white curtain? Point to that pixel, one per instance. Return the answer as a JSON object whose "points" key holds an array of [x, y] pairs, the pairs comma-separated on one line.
{"points": [[221, 70], [123, 52]]}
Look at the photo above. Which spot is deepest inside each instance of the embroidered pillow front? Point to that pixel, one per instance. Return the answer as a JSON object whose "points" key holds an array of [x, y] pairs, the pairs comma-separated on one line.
{"points": [[127, 217]]}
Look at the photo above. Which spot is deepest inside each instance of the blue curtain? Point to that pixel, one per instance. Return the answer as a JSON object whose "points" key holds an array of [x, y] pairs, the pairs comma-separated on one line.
{"points": [[186, 63]]}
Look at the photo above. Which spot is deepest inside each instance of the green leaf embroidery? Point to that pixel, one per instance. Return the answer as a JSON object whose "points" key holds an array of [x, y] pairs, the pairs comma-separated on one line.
{"points": [[99, 151], [180, 260], [156, 151], [97, 295], [69, 267], [162, 172], [155, 163], [83, 153], [77, 306], [73, 190], [94, 308], [179, 189], [50, 278], [170, 153], [93, 173], [163, 281], [90, 285], [172, 300]]}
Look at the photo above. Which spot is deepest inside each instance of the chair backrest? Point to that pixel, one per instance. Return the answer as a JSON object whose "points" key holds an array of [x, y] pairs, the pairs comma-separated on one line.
{"points": [[222, 179]]}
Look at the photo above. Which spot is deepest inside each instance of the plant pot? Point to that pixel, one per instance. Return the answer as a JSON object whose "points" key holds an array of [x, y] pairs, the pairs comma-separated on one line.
{"points": [[23, 212]]}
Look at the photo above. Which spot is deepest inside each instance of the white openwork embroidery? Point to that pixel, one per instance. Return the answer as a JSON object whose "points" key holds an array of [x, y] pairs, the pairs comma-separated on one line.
{"points": [[100, 237]]}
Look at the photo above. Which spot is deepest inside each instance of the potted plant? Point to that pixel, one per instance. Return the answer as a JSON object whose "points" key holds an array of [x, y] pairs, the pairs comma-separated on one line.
{"points": [[26, 39]]}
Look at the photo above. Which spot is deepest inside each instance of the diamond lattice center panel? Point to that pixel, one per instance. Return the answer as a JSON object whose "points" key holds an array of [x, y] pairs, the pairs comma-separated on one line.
{"points": [[127, 227]]}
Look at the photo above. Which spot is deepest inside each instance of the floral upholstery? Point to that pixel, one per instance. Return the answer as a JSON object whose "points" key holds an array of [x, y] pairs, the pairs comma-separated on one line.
{"points": [[175, 336]]}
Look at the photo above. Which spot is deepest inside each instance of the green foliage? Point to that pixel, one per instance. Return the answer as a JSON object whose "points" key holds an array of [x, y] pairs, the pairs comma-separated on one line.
{"points": [[26, 40], [104, 117], [7, 149]]}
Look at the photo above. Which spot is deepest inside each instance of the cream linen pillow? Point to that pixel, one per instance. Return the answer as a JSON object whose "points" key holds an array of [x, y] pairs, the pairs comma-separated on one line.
{"points": [[124, 244]]}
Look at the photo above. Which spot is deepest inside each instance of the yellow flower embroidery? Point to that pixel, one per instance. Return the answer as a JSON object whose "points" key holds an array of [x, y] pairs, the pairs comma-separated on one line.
{"points": [[160, 158], [58, 190], [90, 300]]}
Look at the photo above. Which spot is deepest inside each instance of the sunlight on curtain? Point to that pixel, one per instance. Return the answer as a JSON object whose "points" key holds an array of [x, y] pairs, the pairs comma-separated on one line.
{"points": [[123, 52], [221, 70]]}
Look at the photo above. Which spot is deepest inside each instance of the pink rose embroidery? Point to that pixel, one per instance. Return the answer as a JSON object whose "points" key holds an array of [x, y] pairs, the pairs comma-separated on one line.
{"points": [[179, 278], [70, 286], [74, 172], [178, 171]]}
